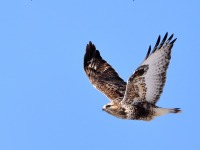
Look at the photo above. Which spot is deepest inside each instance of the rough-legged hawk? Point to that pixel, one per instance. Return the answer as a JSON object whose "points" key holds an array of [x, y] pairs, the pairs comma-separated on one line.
{"points": [[136, 99]]}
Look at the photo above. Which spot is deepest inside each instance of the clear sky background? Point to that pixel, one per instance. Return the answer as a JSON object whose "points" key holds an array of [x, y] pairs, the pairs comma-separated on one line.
{"points": [[46, 100]]}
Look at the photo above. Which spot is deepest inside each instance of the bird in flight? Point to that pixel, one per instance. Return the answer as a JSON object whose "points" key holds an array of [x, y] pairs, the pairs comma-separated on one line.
{"points": [[136, 99]]}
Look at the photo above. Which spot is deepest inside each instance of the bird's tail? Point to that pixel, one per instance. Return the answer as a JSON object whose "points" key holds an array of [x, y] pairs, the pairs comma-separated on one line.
{"points": [[175, 110], [162, 111]]}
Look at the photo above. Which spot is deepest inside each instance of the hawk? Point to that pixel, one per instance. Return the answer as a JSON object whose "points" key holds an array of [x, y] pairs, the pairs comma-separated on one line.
{"points": [[136, 99]]}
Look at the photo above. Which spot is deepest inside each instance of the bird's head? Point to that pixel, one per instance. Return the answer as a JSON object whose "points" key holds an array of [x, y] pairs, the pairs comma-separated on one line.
{"points": [[114, 109], [110, 107]]}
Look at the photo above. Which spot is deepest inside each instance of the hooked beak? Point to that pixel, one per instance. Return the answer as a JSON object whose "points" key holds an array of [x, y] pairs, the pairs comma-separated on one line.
{"points": [[104, 108]]}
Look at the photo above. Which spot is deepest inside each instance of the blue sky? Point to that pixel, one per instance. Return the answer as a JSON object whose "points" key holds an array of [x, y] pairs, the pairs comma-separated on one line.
{"points": [[46, 100]]}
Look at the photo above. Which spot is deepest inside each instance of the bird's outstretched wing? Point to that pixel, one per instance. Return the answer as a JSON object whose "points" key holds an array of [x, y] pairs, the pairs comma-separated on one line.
{"points": [[102, 75], [147, 82]]}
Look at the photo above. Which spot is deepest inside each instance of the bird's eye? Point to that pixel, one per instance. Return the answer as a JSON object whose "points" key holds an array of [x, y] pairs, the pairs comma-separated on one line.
{"points": [[108, 106]]}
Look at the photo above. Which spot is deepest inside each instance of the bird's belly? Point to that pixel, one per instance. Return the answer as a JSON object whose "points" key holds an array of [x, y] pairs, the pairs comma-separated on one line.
{"points": [[139, 113]]}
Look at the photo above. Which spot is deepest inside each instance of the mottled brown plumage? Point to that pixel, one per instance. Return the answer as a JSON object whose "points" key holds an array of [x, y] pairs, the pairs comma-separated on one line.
{"points": [[102, 75], [135, 100]]}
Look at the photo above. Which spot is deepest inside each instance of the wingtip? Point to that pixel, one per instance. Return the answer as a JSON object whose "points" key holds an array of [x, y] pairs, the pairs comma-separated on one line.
{"points": [[160, 43], [90, 52], [171, 37], [149, 48], [148, 52], [163, 40], [90, 46], [159, 37], [157, 43], [90, 43], [172, 42], [166, 35]]}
